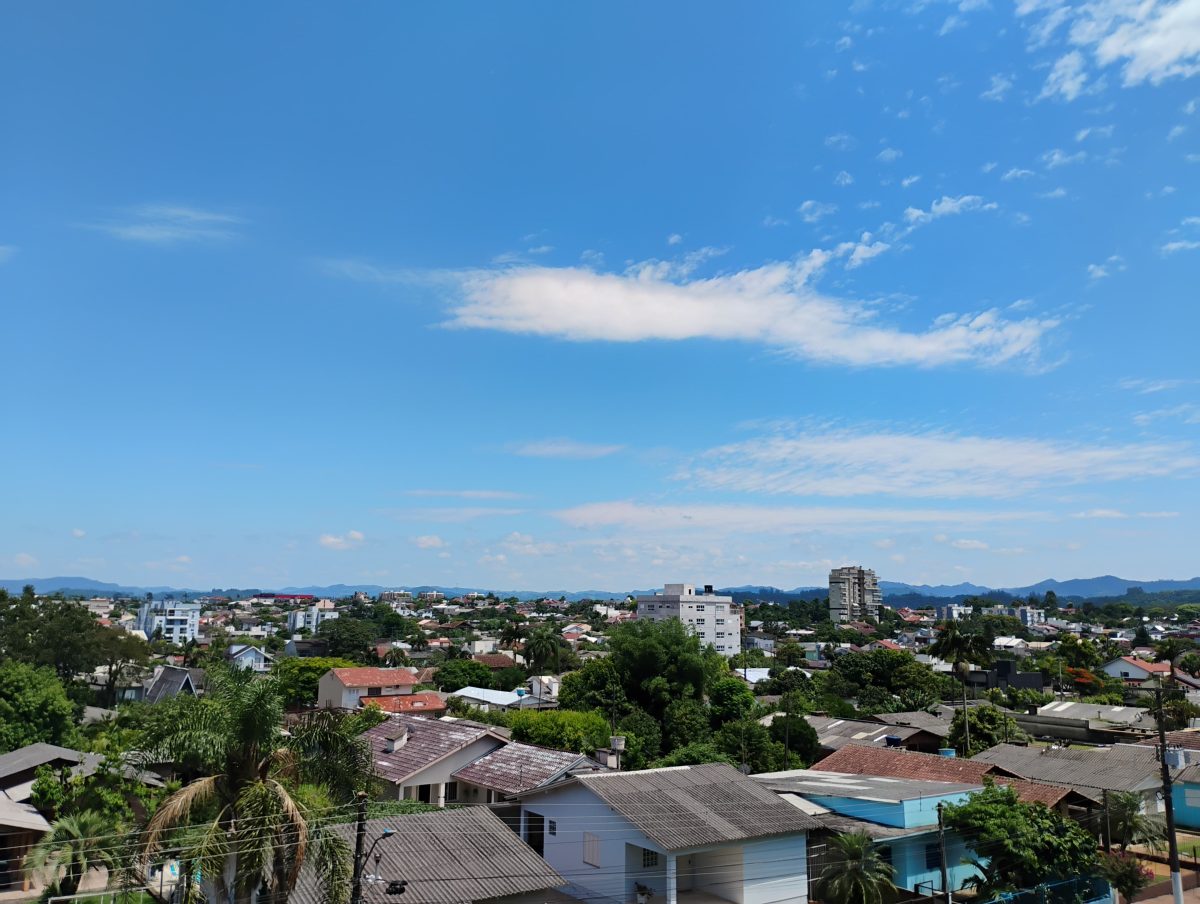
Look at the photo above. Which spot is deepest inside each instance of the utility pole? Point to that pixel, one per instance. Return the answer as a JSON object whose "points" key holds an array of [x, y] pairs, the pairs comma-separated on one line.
{"points": [[942, 850], [360, 839], [966, 720], [1107, 828], [1168, 804]]}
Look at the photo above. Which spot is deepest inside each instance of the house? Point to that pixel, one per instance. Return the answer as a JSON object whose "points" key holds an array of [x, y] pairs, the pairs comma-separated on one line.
{"points": [[245, 656], [514, 769], [418, 703], [687, 833], [447, 857], [1136, 672], [21, 826], [900, 815], [306, 647], [1071, 720], [1185, 795], [752, 676], [416, 758], [1089, 770], [171, 680], [545, 688], [1003, 676], [18, 768], [1017, 646], [342, 688], [490, 700], [833, 734], [495, 661]]}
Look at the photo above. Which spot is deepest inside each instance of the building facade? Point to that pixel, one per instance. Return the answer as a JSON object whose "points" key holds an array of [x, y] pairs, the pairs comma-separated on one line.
{"points": [[715, 619], [177, 622], [310, 617], [853, 594]]}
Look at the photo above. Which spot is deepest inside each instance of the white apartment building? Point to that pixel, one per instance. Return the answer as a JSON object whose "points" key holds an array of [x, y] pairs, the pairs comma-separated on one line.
{"points": [[954, 612], [853, 594], [311, 617], [716, 620], [177, 622]]}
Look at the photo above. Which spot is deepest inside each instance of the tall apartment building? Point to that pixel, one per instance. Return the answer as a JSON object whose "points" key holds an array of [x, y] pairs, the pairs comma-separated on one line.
{"points": [[715, 619], [311, 617], [178, 622], [853, 594]]}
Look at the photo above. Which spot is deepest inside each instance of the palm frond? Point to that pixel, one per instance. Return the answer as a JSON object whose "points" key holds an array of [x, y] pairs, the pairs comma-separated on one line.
{"points": [[177, 809]]}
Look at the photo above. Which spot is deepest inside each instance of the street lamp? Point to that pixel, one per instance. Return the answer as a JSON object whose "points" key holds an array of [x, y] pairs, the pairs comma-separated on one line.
{"points": [[394, 887]]}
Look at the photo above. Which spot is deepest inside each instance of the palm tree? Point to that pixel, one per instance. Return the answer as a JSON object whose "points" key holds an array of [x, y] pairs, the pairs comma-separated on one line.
{"points": [[855, 872], [1170, 649], [511, 633], [1128, 824], [542, 649], [249, 820], [73, 847], [962, 650]]}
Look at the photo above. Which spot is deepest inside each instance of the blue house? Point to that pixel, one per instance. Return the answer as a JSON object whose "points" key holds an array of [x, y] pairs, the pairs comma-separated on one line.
{"points": [[900, 815], [670, 836]]}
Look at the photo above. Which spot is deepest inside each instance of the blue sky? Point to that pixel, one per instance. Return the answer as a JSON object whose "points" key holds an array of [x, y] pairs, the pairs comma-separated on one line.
{"points": [[600, 295]]}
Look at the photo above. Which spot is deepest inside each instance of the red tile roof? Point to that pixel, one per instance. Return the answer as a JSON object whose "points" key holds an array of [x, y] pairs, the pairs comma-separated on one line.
{"points": [[861, 759], [418, 703], [1162, 667], [375, 677], [495, 660]]}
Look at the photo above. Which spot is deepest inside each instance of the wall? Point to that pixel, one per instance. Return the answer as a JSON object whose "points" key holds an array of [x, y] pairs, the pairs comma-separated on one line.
{"points": [[908, 858], [881, 812], [775, 870], [1186, 798], [440, 772], [719, 872]]}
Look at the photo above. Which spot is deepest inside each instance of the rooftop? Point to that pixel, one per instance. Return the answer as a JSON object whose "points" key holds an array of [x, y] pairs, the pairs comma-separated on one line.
{"points": [[488, 696], [429, 740], [836, 733], [1122, 767], [422, 701], [374, 677], [883, 789], [518, 767]]}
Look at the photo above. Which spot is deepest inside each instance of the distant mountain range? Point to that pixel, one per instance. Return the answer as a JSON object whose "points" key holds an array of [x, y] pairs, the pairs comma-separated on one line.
{"points": [[1082, 588]]}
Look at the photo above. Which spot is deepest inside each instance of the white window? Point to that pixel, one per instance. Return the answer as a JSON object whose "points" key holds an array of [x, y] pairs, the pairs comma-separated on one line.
{"points": [[649, 859], [591, 849]]}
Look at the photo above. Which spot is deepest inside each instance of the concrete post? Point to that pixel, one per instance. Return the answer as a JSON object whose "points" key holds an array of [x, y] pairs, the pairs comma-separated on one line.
{"points": [[672, 897]]}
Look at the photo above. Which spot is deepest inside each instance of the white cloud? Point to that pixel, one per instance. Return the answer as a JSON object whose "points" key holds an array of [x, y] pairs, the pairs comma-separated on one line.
{"points": [[78, 533], [845, 463], [465, 494], [1176, 132], [843, 179], [541, 249], [524, 545], [1067, 79], [1187, 414], [6, 253], [1180, 245], [1101, 513], [812, 211], [1017, 173], [889, 155], [998, 89], [755, 519], [861, 251], [839, 141], [1054, 193], [1113, 264], [946, 206], [909, 181], [886, 543], [497, 559], [24, 560], [1056, 157], [845, 42], [342, 541], [968, 544], [1158, 514], [1147, 386], [1097, 131], [770, 222], [674, 238], [164, 224], [429, 541], [989, 166], [773, 304], [565, 448]]}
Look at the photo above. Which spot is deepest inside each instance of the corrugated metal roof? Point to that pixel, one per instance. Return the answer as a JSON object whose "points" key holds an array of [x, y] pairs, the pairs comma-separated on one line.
{"points": [[836, 733], [428, 741], [934, 724], [1122, 767], [685, 807], [448, 857], [519, 767], [860, 786]]}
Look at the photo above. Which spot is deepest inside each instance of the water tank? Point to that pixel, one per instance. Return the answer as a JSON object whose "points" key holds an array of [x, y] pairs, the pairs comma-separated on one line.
{"points": [[946, 751], [892, 740]]}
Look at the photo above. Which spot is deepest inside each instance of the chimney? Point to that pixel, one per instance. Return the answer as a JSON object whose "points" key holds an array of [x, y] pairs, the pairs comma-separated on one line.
{"points": [[396, 738]]}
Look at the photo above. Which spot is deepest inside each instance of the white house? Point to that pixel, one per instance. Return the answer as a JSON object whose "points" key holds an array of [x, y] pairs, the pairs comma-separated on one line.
{"points": [[687, 833], [343, 688], [1006, 644], [245, 656], [1136, 671], [417, 758]]}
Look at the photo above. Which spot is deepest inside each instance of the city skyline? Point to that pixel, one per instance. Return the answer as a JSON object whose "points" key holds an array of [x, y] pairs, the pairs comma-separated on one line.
{"points": [[601, 297]]}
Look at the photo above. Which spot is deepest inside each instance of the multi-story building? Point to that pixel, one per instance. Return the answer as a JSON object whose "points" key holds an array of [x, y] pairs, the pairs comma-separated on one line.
{"points": [[396, 596], [311, 617], [173, 621], [715, 619], [954, 612], [431, 596], [854, 594]]}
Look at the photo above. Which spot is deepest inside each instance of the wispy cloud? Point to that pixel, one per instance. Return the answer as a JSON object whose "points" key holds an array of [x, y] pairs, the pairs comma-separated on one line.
{"points": [[1113, 264], [1185, 413], [465, 494], [564, 448], [166, 224], [1067, 78], [1056, 157], [1017, 173], [1147, 386], [846, 463], [813, 211], [429, 541], [946, 206], [6, 253], [998, 88], [889, 155], [348, 540]]}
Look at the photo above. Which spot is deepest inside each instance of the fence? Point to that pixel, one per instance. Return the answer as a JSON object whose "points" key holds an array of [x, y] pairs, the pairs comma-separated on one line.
{"points": [[1069, 891]]}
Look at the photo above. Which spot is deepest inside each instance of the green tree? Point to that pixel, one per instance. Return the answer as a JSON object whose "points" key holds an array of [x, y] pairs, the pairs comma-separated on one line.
{"points": [[797, 736], [1130, 824], [251, 820], [123, 656], [749, 743], [508, 679], [594, 686], [658, 661], [349, 638], [73, 847], [543, 651], [1126, 873], [455, 674], [855, 873], [560, 729], [962, 650], [685, 722], [643, 739], [730, 700], [297, 677], [987, 727], [1027, 844], [694, 755], [33, 707]]}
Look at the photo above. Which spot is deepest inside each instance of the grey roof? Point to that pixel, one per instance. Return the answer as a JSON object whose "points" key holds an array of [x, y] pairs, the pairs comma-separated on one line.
{"points": [[519, 767], [684, 807], [834, 734], [14, 815], [446, 857], [34, 755], [1132, 716], [1122, 767], [170, 681], [879, 788], [429, 740], [934, 724]]}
